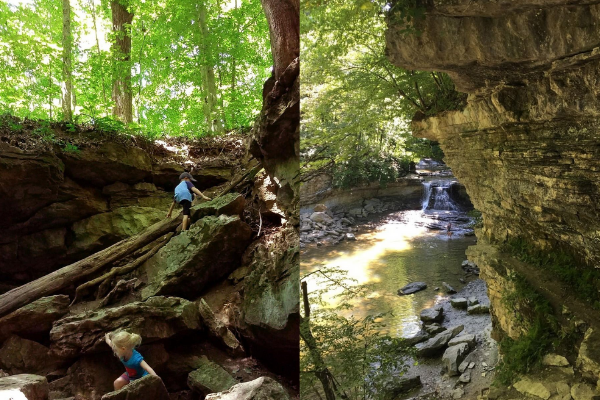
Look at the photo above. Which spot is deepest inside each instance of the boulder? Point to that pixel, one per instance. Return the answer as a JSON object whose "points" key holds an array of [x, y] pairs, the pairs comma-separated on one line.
{"points": [[270, 307], [434, 345], [412, 288], [434, 329], [527, 386], [18, 356], [433, 314], [21, 198], [24, 387], [583, 391], [419, 337], [588, 360], [453, 356], [459, 302], [108, 163], [92, 375], [228, 204], [149, 387], [102, 230], [321, 217], [210, 250], [555, 360], [479, 309], [469, 339], [449, 289], [350, 236], [465, 377], [356, 212], [263, 388], [142, 194], [218, 330], [473, 301], [35, 319], [210, 378], [320, 208], [156, 318], [402, 386]]}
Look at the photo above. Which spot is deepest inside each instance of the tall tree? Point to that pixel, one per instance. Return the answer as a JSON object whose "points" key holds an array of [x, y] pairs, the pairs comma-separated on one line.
{"points": [[67, 42], [283, 17], [213, 119], [122, 92]]}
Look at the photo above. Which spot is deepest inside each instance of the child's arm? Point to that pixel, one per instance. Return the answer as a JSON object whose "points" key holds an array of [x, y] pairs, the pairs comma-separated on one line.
{"points": [[145, 365], [199, 193], [107, 338], [171, 209]]}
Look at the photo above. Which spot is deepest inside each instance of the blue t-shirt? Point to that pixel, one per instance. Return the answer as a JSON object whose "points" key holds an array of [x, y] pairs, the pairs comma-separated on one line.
{"points": [[183, 191], [133, 367]]}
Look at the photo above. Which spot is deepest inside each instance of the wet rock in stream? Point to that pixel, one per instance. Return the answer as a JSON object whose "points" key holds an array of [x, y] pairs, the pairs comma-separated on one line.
{"points": [[412, 287], [434, 314]]}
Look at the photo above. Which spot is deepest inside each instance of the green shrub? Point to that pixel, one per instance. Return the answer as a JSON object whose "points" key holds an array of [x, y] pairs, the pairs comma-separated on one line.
{"points": [[71, 148], [525, 353], [583, 281]]}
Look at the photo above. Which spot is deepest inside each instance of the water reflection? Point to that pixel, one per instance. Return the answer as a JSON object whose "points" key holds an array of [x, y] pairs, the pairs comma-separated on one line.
{"points": [[397, 252]]}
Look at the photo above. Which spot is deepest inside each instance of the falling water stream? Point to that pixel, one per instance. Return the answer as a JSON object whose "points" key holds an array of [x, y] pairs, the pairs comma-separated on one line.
{"points": [[405, 247]]}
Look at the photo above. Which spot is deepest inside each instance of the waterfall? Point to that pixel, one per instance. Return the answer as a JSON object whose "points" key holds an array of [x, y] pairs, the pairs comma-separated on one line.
{"points": [[425, 200], [443, 201], [437, 196]]}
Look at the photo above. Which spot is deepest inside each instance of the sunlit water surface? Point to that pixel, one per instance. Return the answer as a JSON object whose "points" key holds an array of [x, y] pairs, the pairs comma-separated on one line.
{"points": [[399, 251]]}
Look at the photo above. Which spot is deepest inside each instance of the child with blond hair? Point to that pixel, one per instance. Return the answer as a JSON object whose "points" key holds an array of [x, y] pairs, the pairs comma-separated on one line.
{"points": [[123, 344]]}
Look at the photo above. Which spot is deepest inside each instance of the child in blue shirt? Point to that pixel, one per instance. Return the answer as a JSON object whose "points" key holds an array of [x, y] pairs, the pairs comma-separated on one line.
{"points": [[124, 344], [184, 194]]}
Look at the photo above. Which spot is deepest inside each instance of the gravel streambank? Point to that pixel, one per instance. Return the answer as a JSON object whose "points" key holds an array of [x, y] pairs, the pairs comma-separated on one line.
{"points": [[437, 382]]}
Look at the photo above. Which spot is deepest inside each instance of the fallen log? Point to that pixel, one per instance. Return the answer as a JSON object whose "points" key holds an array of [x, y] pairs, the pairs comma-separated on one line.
{"points": [[73, 273], [121, 270], [70, 274], [246, 176]]}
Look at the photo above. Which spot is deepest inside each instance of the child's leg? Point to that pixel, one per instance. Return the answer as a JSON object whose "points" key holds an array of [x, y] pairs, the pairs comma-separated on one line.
{"points": [[186, 214], [121, 381]]}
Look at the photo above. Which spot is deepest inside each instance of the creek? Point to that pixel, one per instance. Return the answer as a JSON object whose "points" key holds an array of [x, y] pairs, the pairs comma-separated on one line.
{"points": [[400, 248]]}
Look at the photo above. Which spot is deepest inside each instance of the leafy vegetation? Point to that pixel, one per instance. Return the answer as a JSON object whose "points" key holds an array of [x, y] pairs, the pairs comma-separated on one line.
{"points": [[360, 361], [582, 282], [535, 313], [183, 54], [356, 104]]}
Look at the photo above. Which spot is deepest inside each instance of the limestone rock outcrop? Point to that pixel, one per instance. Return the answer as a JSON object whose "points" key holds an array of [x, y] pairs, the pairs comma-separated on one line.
{"points": [[526, 144], [210, 250], [270, 308], [60, 206], [156, 318], [258, 389], [209, 377], [147, 388], [35, 319]]}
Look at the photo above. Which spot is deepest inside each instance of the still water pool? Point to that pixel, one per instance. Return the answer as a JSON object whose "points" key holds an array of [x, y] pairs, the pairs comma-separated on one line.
{"points": [[390, 254]]}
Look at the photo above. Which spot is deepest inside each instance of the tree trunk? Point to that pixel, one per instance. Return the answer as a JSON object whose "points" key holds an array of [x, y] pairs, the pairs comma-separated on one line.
{"points": [[321, 371], [234, 67], [70, 274], [98, 48], [121, 91], [67, 40], [283, 17], [213, 120]]}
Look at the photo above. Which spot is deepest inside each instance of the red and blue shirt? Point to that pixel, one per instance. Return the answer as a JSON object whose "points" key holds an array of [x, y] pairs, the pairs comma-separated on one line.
{"points": [[133, 367]]}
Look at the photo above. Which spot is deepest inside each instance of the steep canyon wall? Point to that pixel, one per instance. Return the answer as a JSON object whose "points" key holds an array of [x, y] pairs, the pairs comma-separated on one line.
{"points": [[527, 144]]}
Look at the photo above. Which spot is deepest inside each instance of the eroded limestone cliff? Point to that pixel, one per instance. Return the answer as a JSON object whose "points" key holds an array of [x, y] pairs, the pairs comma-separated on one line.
{"points": [[527, 144]]}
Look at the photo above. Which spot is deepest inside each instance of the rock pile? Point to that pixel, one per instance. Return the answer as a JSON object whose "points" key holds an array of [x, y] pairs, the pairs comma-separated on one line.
{"points": [[187, 328], [323, 227]]}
